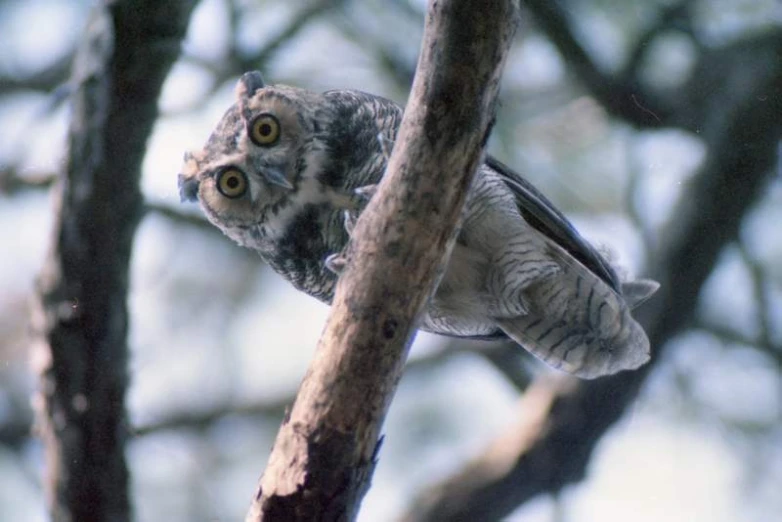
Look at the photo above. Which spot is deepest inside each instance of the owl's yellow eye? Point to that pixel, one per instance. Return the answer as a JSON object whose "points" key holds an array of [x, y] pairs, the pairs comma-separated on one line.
{"points": [[265, 130], [232, 183]]}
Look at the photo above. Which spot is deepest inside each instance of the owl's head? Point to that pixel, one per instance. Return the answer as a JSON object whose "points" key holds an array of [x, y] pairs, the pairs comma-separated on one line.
{"points": [[254, 157]]}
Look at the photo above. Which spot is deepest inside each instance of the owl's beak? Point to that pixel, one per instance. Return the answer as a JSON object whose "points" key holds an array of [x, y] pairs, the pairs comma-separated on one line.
{"points": [[276, 176], [188, 188]]}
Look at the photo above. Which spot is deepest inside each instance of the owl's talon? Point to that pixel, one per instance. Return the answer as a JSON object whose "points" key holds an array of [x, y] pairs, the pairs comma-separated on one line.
{"points": [[336, 263], [355, 200], [366, 192], [386, 145], [350, 221]]}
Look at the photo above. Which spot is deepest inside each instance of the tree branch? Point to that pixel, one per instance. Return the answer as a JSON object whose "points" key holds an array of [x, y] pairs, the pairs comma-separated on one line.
{"points": [[325, 452], [47, 79], [81, 315], [760, 286], [240, 60], [505, 357], [273, 409], [623, 97], [676, 15], [12, 182], [729, 335]]}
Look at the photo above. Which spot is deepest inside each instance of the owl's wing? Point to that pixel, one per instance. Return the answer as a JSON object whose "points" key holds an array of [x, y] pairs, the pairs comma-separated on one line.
{"points": [[544, 217]]}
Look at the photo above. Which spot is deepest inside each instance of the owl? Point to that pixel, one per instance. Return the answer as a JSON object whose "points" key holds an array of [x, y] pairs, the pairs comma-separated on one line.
{"points": [[287, 172]]}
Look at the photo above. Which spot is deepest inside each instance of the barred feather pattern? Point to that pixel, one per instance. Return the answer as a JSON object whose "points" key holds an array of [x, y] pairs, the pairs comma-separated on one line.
{"points": [[519, 269]]}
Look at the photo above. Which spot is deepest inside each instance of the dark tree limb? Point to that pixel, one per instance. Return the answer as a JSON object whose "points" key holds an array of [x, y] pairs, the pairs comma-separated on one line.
{"points": [[270, 409], [761, 284], [81, 316], [623, 97], [389, 58], [240, 60], [727, 334], [47, 79], [11, 182], [325, 452], [309, 12], [675, 16], [552, 448]]}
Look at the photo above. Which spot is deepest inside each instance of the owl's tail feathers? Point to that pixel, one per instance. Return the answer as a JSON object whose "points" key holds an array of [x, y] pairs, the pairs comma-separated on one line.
{"points": [[575, 321], [579, 349], [637, 292]]}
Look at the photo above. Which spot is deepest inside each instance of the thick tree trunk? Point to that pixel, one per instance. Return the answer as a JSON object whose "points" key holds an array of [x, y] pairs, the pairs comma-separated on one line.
{"points": [[325, 452], [81, 316]]}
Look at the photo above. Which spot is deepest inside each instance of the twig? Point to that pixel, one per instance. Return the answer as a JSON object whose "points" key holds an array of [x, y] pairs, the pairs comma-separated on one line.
{"points": [[631, 205], [45, 80], [276, 408], [295, 25], [389, 59], [729, 335], [12, 182], [239, 60], [760, 286], [675, 15], [622, 97], [205, 418]]}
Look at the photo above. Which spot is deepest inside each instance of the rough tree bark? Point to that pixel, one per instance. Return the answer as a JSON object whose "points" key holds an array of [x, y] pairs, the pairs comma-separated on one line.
{"points": [[81, 317], [325, 452]]}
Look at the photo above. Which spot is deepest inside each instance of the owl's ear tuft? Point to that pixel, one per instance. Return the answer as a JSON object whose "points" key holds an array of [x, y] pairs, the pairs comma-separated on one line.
{"points": [[249, 84]]}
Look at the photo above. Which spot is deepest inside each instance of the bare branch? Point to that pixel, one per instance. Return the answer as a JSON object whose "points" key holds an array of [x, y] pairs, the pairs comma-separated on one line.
{"points": [[494, 352], [325, 453], [239, 60], [12, 182], [760, 286], [47, 80], [623, 97], [676, 15], [513, 466], [729, 335], [180, 217], [389, 58], [205, 418], [294, 26]]}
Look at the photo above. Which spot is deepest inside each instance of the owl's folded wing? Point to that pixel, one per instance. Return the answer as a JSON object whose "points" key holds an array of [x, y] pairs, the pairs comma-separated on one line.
{"points": [[539, 212]]}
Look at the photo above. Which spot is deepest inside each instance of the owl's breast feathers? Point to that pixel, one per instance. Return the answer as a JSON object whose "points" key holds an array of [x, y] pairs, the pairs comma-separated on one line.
{"points": [[345, 154]]}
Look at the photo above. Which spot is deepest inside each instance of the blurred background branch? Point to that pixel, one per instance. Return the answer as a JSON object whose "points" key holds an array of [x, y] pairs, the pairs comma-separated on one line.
{"points": [[80, 317]]}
